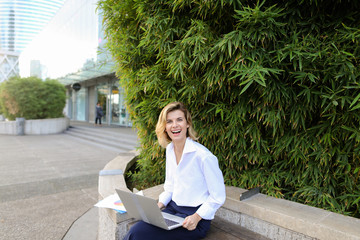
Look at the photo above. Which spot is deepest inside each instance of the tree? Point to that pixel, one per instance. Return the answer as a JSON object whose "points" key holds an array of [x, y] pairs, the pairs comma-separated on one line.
{"points": [[273, 87], [32, 98]]}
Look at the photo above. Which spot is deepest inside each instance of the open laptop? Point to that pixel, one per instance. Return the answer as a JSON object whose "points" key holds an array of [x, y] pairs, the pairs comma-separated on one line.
{"points": [[146, 209]]}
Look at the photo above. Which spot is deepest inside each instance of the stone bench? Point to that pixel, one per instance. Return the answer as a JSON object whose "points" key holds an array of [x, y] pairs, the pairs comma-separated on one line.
{"points": [[220, 228], [258, 217]]}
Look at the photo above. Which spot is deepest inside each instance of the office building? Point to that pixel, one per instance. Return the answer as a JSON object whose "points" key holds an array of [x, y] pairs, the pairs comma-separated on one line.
{"points": [[20, 22]]}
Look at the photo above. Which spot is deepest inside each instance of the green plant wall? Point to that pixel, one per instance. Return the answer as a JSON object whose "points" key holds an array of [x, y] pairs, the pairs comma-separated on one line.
{"points": [[273, 87]]}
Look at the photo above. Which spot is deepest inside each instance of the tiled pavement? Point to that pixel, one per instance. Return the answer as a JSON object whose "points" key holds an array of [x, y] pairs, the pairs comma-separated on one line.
{"points": [[48, 183]]}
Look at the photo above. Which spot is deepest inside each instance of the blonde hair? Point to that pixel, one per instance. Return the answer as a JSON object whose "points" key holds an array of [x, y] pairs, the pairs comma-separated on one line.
{"points": [[163, 137]]}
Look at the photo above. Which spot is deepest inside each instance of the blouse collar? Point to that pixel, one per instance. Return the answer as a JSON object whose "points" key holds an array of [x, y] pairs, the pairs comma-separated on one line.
{"points": [[189, 146]]}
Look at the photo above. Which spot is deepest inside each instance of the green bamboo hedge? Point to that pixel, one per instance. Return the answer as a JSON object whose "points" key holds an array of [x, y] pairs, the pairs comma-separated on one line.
{"points": [[32, 98], [273, 87]]}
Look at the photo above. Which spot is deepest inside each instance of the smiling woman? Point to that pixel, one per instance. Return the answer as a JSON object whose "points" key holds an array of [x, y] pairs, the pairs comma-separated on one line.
{"points": [[194, 185], [164, 119], [175, 123]]}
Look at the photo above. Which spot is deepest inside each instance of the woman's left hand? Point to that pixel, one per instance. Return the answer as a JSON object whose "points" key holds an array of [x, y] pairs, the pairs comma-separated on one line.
{"points": [[191, 221]]}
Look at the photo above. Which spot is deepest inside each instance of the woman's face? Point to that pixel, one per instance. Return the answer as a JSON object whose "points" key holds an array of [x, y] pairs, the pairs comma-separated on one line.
{"points": [[176, 125]]}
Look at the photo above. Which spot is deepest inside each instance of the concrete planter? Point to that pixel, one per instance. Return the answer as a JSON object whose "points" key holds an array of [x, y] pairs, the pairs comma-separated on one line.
{"points": [[34, 127]]}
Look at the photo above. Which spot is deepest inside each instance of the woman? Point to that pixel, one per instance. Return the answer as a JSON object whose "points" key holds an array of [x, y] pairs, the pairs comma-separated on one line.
{"points": [[194, 185]]}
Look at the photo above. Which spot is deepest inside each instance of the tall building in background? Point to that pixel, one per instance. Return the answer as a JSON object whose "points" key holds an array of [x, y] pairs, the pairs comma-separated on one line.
{"points": [[20, 22], [71, 49]]}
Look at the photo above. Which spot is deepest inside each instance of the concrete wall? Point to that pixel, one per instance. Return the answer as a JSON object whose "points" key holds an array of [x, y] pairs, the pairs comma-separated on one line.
{"points": [[8, 128], [36, 127]]}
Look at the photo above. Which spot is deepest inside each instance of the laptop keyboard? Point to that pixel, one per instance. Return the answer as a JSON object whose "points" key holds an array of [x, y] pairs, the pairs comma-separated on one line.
{"points": [[170, 222]]}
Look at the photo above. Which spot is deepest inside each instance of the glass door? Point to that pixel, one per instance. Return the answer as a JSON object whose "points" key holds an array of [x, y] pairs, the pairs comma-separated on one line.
{"points": [[114, 102], [81, 104], [119, 115]]}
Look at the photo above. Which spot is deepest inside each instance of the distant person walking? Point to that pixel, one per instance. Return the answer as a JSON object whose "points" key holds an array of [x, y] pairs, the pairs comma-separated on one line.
{"points": [[99, 113]]}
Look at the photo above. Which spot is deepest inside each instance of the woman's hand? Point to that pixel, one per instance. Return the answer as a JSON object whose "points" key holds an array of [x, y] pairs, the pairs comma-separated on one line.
{"points": [[191, 221], [161, 205]]}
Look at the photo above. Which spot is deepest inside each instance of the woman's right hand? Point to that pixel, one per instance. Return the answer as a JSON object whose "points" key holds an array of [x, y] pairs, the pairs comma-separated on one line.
{"points": [[161, 205]]}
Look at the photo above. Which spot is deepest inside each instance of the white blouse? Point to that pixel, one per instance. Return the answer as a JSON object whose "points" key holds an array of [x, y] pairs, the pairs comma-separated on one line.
{"points": [[197, 180]]}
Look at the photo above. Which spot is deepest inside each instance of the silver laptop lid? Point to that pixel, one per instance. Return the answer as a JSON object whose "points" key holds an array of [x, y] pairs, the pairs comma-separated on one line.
{"points": [[146, 209], [129, 204]]}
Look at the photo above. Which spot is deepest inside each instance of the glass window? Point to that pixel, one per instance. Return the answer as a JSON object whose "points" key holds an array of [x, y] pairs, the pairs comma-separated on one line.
{"points": [[114, 99], [70, 105], [119, 115], [81, 104]]}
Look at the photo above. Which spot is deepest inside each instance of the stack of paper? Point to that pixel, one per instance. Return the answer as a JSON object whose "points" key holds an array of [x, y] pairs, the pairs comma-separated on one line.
{"points": [[113, 202]]}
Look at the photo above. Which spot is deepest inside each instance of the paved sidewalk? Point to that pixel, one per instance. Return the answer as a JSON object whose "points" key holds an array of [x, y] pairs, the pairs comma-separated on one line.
{"points": [[47, 183]]}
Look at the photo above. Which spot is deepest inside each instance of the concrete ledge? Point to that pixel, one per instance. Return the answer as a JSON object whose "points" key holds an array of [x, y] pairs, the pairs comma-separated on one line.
{"points": [[108, 218], [36, 127], [283, 219], [268, 216]]}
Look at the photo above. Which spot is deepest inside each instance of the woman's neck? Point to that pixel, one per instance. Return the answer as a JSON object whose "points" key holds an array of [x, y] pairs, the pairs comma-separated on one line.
{"points": [[179, 148]]}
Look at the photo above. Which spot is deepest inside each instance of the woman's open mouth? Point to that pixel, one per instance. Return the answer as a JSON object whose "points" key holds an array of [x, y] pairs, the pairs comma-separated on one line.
{"points": [[177, 132]]}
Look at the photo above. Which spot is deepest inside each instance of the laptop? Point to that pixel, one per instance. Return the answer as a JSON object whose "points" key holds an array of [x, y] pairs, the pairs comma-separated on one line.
{"points": [[146, 209]]}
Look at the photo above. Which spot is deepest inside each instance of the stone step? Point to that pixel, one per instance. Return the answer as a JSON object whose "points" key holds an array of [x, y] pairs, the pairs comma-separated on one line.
{"points": [[96, 144], [119, 140], [111, 132]]}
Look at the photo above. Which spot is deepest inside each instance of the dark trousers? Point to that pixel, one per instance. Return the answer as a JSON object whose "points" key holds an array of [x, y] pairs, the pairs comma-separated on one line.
{"points": [[96, 120], [144, 231]]}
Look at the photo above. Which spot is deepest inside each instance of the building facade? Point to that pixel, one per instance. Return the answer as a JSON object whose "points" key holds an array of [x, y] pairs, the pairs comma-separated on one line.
{"points": [[9, 64], [20, 22], [71, 49]]}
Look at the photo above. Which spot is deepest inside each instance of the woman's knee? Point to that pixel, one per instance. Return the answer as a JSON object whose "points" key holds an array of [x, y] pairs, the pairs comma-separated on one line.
{"points": [[141, 230]]}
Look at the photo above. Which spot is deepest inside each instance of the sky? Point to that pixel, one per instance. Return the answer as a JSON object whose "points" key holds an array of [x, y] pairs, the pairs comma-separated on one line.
{"points": [[67, 41]]}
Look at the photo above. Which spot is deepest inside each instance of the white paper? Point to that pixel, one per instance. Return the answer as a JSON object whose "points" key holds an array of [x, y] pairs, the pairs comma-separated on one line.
{"points": [[113, 201]]}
